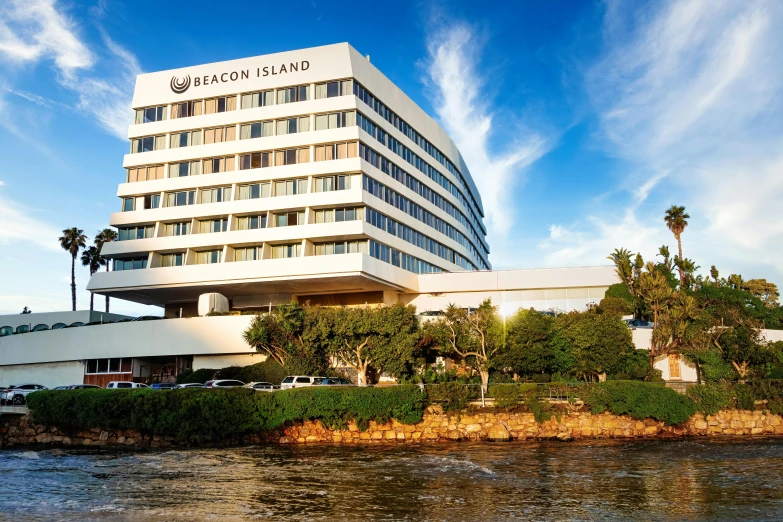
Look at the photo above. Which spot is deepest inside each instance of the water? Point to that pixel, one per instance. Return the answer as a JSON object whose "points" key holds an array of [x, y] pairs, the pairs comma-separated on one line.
{"points": [[612, 480]]}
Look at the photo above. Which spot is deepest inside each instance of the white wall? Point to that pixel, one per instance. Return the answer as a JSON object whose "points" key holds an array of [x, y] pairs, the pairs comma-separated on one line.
{"points": [[50, 318], [197, 336], [47, 374]]}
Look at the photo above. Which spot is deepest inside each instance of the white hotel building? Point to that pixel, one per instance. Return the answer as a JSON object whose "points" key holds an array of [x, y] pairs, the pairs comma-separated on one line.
{"points": [[304, 175]]}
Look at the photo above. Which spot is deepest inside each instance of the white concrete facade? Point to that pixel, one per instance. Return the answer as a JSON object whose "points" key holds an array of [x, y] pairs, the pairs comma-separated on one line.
{"points": [[436, 214]]}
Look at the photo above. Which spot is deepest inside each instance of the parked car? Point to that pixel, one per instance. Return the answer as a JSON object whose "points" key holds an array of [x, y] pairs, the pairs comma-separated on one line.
{"points": [[299, 381], [224, 383], [638, 323], [81, 386], [261, 386], [163, 386], [334, 381], [191, 385], [119, 385], [17, 393]]}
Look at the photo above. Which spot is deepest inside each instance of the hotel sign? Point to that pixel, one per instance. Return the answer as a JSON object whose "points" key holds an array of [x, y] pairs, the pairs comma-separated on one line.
{"points": [[180, 85]]}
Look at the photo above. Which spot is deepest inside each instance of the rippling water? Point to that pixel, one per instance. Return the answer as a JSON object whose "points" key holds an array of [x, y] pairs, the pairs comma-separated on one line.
{"points": [[643, 480]]}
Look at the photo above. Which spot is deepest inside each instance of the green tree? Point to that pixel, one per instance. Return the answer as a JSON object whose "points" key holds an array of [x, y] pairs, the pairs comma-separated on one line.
{"points": [[72, 241], [475, 336], [92, 258], [764, 290], [676, 220], [529, 338], [106, 235], [743, 346], [597, 343], [655, 290], [383, 338], [279, 334], [715, 275]]}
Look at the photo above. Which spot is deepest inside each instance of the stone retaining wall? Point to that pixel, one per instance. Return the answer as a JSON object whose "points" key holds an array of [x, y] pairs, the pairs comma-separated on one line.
{"points": [[436, 426]]}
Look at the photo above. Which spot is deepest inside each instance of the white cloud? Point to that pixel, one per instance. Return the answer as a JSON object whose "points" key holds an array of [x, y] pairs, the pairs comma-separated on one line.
{"points": [[32, 31], [688, 95], [464, 109], [18, 224]]}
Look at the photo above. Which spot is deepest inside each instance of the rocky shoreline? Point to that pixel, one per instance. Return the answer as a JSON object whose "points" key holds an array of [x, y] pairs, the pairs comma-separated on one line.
{"points": [[436, 426]]}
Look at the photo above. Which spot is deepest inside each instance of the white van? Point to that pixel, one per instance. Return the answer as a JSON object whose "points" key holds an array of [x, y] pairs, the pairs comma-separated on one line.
{"points": [[299, 381], [119, 385]]}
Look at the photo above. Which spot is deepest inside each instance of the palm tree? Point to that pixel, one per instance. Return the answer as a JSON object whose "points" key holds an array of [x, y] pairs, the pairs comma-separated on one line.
{"points": [[106, 235], [92, 258], [676, 220], [73, 240], [715, 275]]}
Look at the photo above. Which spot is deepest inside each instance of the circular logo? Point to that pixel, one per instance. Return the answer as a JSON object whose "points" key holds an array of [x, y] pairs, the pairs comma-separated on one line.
{"points": [[180, 85]]}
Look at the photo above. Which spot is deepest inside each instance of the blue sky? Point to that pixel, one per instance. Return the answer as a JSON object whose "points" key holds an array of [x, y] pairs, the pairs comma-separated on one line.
{"points": [[581, 121]]}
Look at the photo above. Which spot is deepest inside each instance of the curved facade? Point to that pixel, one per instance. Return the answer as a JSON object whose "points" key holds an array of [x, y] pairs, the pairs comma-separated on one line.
{"points": [[299, 174]]}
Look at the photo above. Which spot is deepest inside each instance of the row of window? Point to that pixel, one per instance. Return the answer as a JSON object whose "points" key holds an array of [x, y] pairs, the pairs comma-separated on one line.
{"points": [[287, 187], [405, 153], [414, 237], [387, 114], [413, 184], [375, 249], [113, 365], [247, 101], [402, 203], [203, 136], [254, 160], [284, 219]]}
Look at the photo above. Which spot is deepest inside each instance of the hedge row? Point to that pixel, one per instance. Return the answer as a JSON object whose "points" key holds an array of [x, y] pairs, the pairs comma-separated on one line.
{"points": [[197, 415]]}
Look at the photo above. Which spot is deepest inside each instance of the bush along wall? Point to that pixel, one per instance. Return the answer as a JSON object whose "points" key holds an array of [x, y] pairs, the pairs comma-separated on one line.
{"points": [[199, 416]]}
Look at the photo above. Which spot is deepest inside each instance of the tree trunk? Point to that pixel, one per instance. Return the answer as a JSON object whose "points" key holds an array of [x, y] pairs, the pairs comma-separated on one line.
{"points": [[484, 380], [679, 268], [107, 297], [73, 282], [92, 300], [361, 375]]}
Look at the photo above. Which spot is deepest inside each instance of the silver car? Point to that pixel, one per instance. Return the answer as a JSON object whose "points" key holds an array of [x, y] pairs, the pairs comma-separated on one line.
{"points": [[17, 393]]}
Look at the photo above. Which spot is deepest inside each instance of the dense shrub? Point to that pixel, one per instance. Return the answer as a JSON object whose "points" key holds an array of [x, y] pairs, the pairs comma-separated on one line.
{"points": [[267, 371], [452, 396], [639, 400], [541, 377], [711, 397], [509, 395], [744, 397], [542, 411], [196, 415], [203, 375]]}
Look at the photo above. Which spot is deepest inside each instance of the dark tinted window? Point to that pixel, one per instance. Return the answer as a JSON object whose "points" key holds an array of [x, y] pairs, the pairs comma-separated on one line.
{"points": [[124, 385], [231, 383], [288, 380], [303, 379]]}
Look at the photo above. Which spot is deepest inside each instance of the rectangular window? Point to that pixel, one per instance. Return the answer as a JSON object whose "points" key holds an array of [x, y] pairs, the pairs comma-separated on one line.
{"points": [[151, 201], [113, 365], [185, 139], [338, 214], [128, 233], [247, 253], [292, 156], [215, 195], [178, 170], [341, 247], [289, 219], [251, 222], [175, 259], [150, 114], [333, 89], [290, 187], [220, 134], [147, 144], [128, 204], [207, 258], [212, 225], [148, 173], [255, 160], [179, 199], [335, 120], [222, 104], [187, 109], [293, 94], [259, 129], [330, 183], [176, 229], [132, 263], [336, 151], [255, 191], [293, 125], [258, 99], [215, 165], [286, 251]]}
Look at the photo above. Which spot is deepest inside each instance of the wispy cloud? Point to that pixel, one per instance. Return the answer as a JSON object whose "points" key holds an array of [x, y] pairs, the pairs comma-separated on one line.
{"points": [[33, 31], [18, 224], [465, 109], [688, 95]]}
